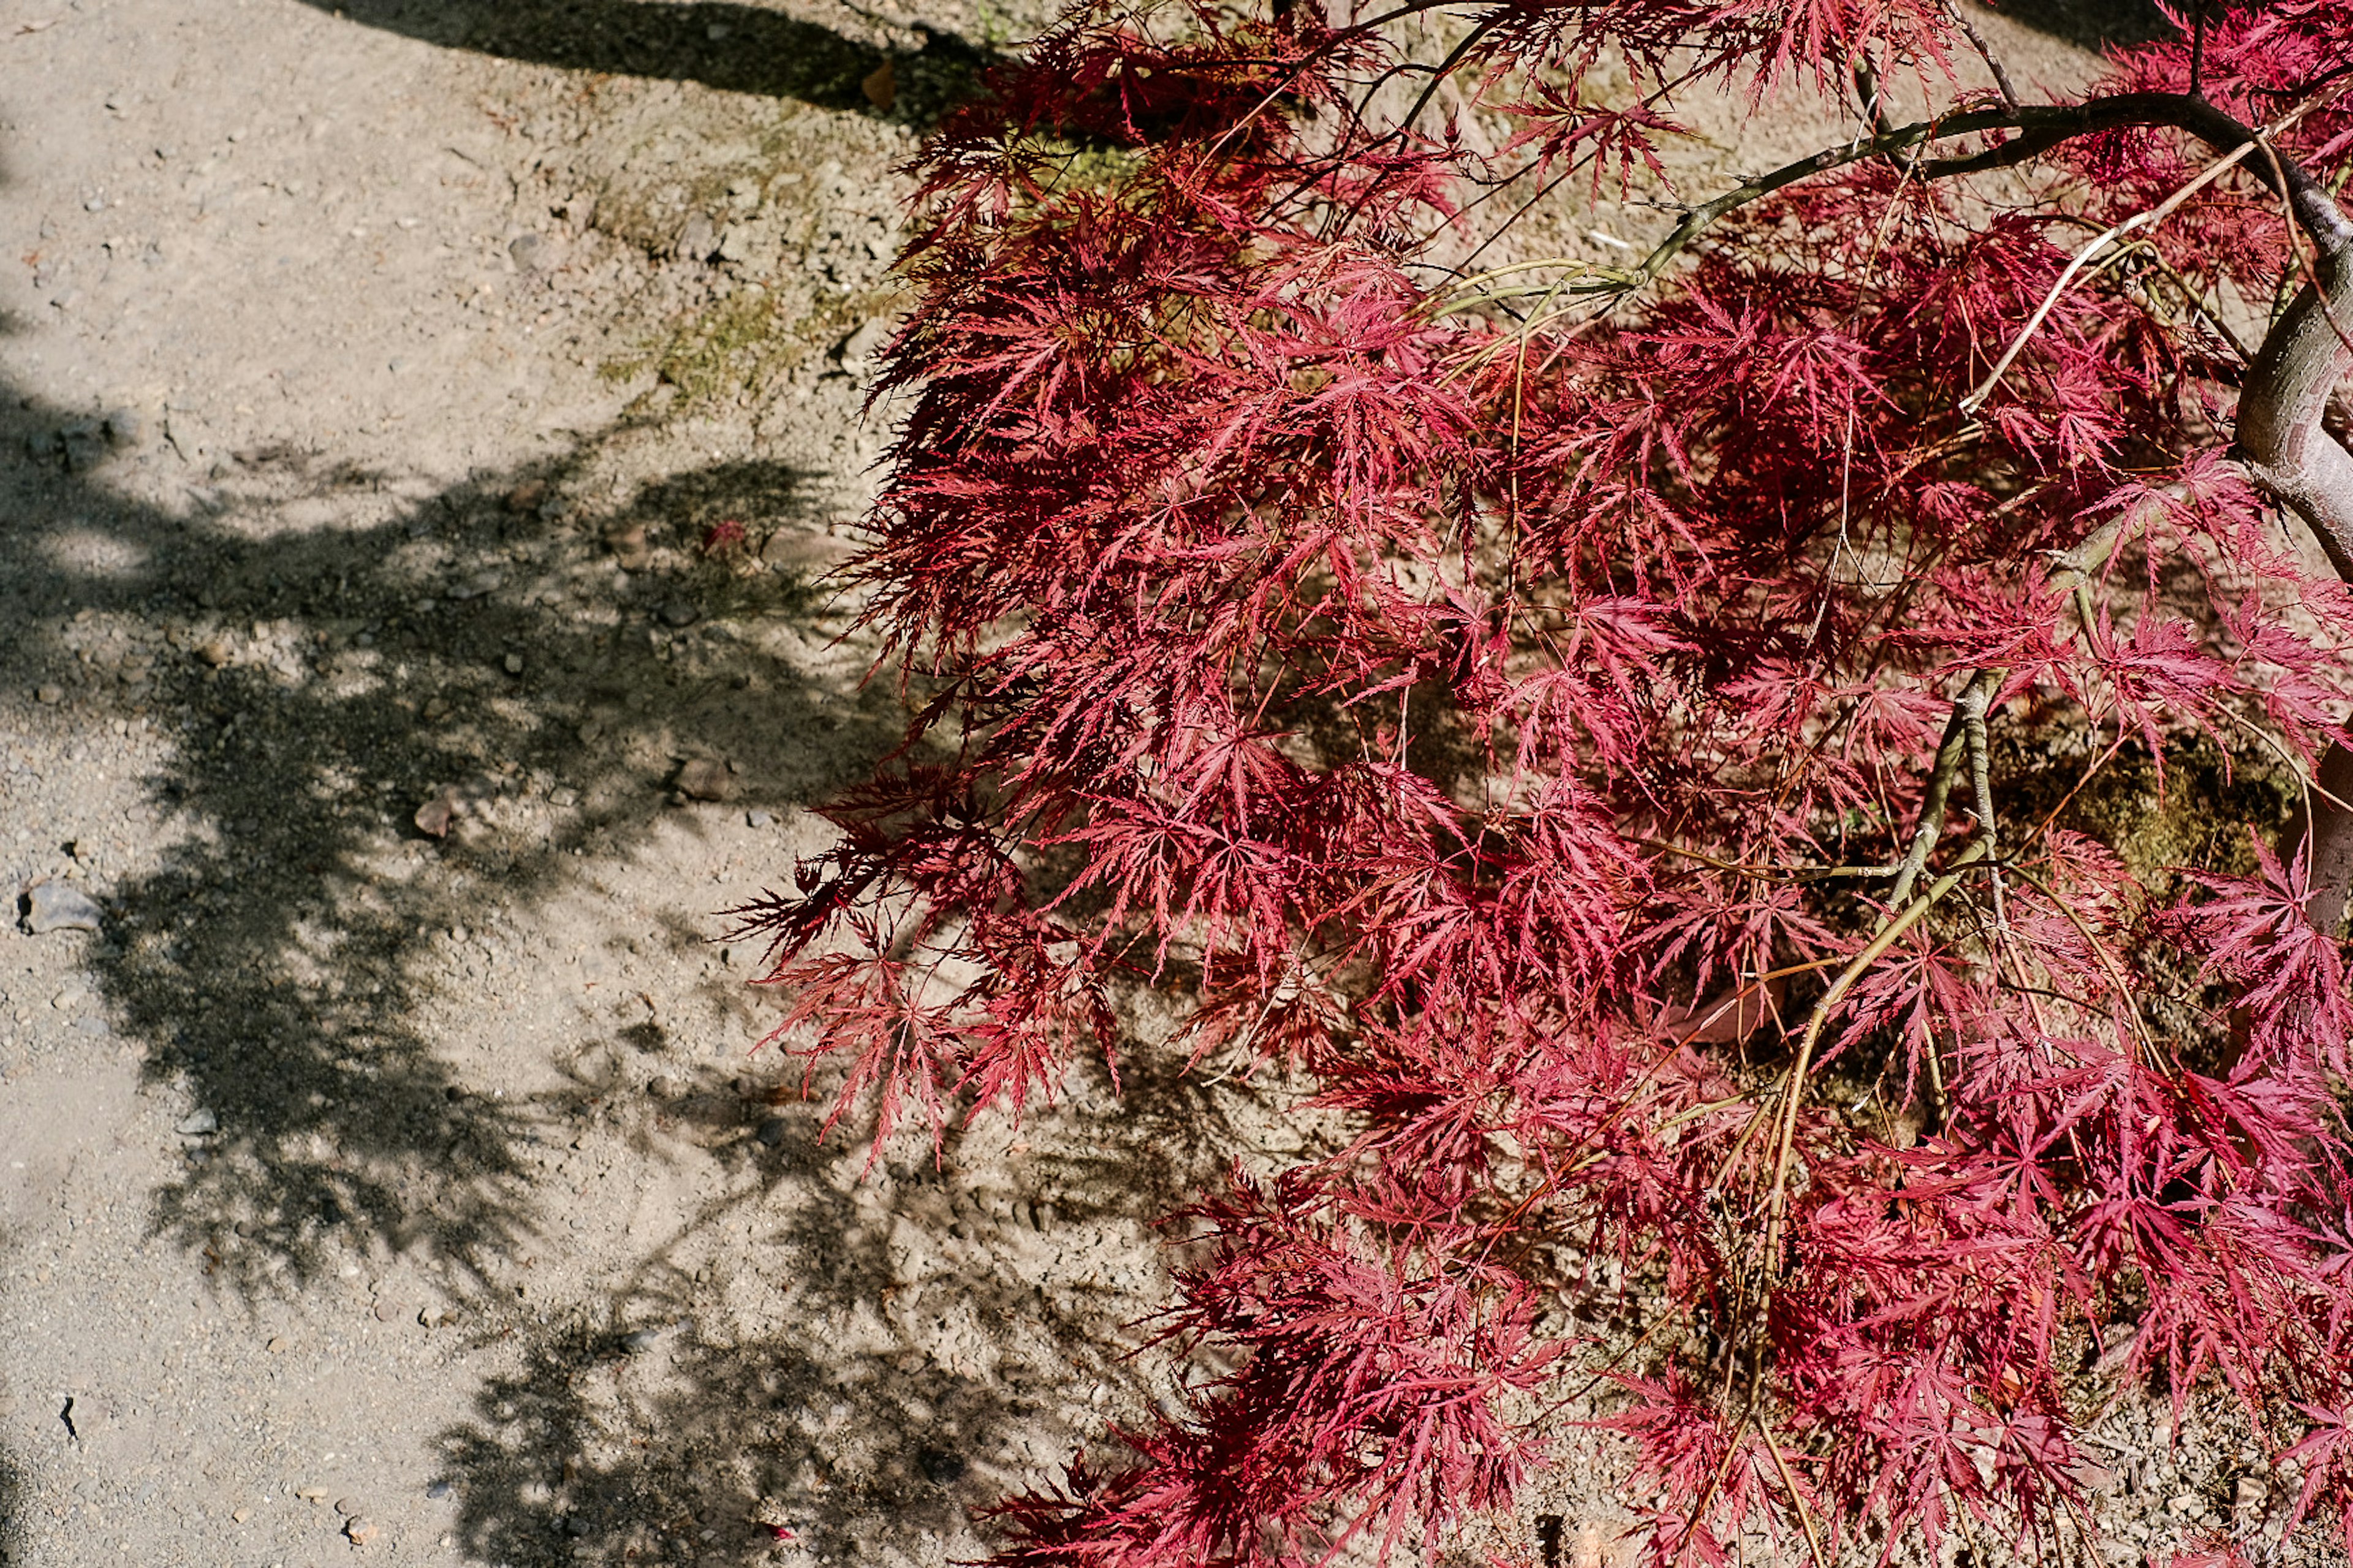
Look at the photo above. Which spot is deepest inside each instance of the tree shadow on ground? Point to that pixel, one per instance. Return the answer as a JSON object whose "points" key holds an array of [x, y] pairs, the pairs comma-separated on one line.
{"points": [[314, 687], [287, 955], [738, 48], [2090, 24], [946, 1334]]}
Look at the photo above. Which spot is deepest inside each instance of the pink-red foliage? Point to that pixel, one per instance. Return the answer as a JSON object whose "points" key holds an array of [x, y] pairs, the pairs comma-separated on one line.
{"points": [[1491, 688]]}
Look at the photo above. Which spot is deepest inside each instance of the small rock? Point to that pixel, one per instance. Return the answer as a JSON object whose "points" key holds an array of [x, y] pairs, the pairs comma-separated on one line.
{"points": [[360, 1531], [513, 663], [85, 444], [386, 1312], [881, 86], [2181, 1505], [860, 347], [59, 905], [348, 1506], [679, 613], [640, 1340], [489, 580], [433, 819], [312, 1494], [698, 239], [664, 1087], [197, 1123], [704, 778], [276, 1345], [526, 497], [629, 548], [215, 652], [437, 708], [759, 819], [239, 1515], [440, 1489], [123, 428], [564, 795], [528, 252], [772, 1132], [51, 694]]}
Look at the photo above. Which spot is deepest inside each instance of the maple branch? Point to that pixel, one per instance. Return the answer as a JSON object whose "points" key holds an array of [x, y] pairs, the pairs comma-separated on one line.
{"points": [[1975, 698], [2041, 128]]}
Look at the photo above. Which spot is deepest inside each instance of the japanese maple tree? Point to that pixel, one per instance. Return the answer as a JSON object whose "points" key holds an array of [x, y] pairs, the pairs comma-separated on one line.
{"points": [[1624, 732]]}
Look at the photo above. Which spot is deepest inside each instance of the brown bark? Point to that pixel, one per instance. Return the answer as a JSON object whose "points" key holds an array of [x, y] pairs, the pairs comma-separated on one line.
{"points": [[2293, 458]]}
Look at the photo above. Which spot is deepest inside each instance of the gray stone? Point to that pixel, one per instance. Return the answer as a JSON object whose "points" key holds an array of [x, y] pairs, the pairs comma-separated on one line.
{"points": [[772, 1132], [85, 444], [440, 1489], [698, 239], [759, 819], [527, 251], [859, 349], [51, 694], [679, 613], [197, 1123], [124, 427], [58, 906]]}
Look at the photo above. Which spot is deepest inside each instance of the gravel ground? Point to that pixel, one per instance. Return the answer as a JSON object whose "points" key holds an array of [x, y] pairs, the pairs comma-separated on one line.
{"points": [[388, 1174]]}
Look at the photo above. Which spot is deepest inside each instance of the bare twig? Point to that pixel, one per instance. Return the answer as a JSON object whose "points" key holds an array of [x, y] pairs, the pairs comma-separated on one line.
{"points": [[1993, 63]]}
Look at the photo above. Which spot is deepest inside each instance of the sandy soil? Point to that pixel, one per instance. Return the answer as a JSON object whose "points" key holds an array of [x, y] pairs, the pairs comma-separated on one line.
{"points": [[373, 376]]}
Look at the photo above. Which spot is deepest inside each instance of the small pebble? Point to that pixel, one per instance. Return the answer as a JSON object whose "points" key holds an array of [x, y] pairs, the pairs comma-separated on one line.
{"points": [[348, 1506], [239, 1515], [704, 778], [663, 1088], [51, 694], [440, 1489], [679, 613], [513, 662], [214, 653], [276, 1345], [759, 819], [860, 348], [360, 1531], [640, 1340], [629, 548], [386, 1312], [433, 819], [197, 1123], [60, 906], [772, 1132]]}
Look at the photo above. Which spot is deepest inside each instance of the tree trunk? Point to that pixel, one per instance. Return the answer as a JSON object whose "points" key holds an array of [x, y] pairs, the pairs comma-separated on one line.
{"points": [[2307, 355]]}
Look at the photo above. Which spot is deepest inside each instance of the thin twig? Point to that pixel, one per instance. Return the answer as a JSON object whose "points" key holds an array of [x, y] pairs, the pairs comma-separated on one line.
{"points": [[2157, 213], [2000, 75]]}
